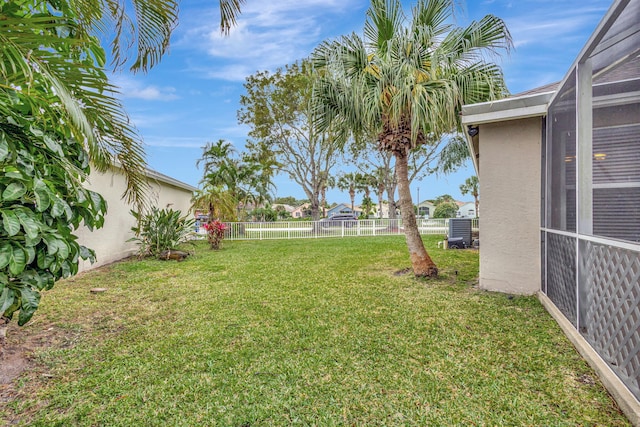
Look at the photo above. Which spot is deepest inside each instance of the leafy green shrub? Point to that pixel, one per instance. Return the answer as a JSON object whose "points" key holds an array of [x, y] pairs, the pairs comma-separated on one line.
{"points": [[160, 229], [42, 200]]}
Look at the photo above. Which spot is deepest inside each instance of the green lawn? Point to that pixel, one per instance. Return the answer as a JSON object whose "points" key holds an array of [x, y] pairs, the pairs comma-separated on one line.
{"points": [[301, 332]]}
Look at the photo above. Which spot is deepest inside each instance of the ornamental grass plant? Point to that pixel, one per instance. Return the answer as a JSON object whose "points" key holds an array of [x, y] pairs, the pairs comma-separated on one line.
{"points": [[317, 332]]}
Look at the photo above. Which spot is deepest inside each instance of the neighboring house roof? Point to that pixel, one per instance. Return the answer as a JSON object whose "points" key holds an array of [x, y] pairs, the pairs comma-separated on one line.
{"points": [[551, 87], [287, 208], [342, 207]]}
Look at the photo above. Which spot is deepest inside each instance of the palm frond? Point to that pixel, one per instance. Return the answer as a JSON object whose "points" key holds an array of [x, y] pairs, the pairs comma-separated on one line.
{"points": [[49, 64], [384, 20], [229, 10]]}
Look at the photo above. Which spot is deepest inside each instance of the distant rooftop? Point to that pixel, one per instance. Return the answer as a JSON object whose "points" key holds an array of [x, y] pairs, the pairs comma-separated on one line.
{"points": [[551, 87]]}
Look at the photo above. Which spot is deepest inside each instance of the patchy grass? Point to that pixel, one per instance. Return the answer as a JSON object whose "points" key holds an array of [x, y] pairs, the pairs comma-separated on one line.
{"points": [[305, 332]]}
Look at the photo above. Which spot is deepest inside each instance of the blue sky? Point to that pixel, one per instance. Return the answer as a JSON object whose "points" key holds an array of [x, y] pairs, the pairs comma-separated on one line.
{"points": [[192, 97]]}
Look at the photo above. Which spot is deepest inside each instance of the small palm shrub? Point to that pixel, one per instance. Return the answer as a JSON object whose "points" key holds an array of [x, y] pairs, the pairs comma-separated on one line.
{"points": [[159, 230]]}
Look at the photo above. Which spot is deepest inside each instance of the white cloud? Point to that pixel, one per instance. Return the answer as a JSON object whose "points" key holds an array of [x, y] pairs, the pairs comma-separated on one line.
{"points": [[174, 141], [544, 26], [234, 134], [133, 89], [151, 120], [267, 35]]}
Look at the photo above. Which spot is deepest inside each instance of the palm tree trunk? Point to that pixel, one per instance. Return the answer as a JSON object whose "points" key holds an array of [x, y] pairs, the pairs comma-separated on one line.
{"points": [[391, 192], [475, 196], [423, 265]]}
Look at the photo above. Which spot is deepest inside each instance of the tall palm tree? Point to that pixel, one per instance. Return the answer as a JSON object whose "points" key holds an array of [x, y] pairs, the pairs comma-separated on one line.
{"points": [[471, 186], [246, 180], [327, 181], [406, 82], [349, 182], [379, 182]]}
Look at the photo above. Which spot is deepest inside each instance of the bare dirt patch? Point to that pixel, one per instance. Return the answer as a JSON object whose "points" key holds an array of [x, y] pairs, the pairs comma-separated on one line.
{"points": [[20, 355], [12, 365]]}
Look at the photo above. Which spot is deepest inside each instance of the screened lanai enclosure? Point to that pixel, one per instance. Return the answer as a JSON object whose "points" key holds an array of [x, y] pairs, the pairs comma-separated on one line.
{"points": [[590, 222]]}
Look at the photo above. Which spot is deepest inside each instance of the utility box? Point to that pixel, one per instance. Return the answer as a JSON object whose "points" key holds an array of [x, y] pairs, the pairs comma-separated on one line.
{"points": [[460, 232]]}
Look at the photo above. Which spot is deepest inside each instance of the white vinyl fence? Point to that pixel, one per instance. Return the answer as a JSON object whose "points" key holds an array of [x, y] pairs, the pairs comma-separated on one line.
{"points": [[320, 229]]}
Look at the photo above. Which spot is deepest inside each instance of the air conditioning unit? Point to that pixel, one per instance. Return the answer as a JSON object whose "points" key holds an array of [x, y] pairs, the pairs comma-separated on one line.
{"points": [[459, 233]]}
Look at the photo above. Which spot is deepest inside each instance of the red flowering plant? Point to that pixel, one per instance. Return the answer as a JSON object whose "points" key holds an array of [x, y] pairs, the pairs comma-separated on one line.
{"points": [[215, 233]]}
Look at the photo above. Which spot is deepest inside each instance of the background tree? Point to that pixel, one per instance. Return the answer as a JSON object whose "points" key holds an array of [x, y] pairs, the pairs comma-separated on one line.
{"points": [[445, 210], [278, 109], [327, 182], [445, 198], [471, 186], [239, 180], [349, 182], [406, 82], [380, 176], [367, 206], [437, 157], [282, 213]]}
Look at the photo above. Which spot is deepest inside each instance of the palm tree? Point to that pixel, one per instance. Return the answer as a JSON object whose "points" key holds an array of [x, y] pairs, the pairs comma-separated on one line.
{"points": [[327, 181], [349, 182], [379, 182], [406, 82], [470, 186], [246, 180]]}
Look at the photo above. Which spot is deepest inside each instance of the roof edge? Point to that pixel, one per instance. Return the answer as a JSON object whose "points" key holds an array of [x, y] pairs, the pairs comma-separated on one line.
{"points": [[507, 109], [152, 174], [157, 176]]}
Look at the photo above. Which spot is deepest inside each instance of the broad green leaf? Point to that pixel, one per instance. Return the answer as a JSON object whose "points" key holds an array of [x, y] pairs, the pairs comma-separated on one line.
{"points": [[86, 253], [10, 222], [29, 304], [41, 192], [14, 174], [53, 145], [5, 253], [7, 298], [48, 279], [31, 254], [98, 202], [14, 191], [29, 223], [52, 244], [4, 147], [58, 208], [63, 249], [17, 261], [44, 259]]}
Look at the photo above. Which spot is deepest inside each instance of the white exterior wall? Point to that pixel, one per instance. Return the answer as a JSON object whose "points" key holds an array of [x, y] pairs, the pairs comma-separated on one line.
{"points": [[510, 188], [110, 241]]}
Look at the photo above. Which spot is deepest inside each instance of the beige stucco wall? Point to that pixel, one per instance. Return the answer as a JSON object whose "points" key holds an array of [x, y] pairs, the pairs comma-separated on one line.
{"points": [[510, 189], [110, 241]]}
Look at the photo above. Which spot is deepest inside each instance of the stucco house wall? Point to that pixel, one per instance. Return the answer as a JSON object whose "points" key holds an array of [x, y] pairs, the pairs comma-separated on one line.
{"points": [[110, 241], [509, 164]]}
